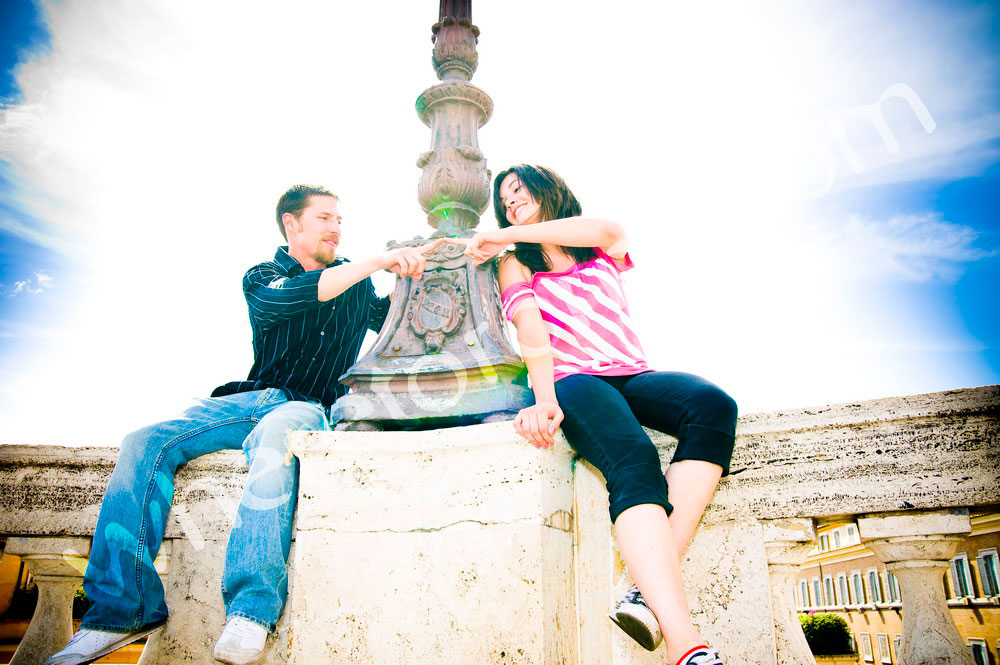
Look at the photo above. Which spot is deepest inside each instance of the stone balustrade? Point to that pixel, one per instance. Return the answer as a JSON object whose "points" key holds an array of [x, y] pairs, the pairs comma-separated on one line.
{"points": [[466, 545]]}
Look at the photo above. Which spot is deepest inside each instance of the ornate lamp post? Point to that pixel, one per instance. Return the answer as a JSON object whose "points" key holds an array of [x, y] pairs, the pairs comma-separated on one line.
{"points": [[443, 356]]}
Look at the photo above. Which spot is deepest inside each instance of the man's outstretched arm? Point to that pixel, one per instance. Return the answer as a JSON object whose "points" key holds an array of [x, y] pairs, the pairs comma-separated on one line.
{"points": [[273, 297], [404, 261]]}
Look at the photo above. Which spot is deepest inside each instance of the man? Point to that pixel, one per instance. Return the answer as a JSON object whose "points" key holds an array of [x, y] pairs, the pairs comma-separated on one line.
{"points": [[309, 311]]}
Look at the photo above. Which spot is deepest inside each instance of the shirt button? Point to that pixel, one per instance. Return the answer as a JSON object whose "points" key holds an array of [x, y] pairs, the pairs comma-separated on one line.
{"points": [[322, 332]]}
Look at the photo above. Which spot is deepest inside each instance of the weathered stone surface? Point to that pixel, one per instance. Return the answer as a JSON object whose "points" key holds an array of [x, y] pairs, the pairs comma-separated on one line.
{"points": [[597, 567], [916, 523], [372, 482], [470, 593], [924, 451], [418, 545], [57, 490], [197, 613], [787, 543], [726, 578]]}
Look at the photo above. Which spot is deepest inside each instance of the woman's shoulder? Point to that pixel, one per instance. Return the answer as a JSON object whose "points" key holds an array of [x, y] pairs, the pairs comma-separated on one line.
{"points": [[511, 270]]}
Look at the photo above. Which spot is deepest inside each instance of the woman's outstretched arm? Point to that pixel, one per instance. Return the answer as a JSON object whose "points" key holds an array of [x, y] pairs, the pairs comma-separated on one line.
{"points": [[537, 423], [570, 232]]}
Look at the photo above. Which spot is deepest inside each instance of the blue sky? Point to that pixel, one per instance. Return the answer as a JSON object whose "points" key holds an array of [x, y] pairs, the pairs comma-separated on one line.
{"points": [[784, 249]]}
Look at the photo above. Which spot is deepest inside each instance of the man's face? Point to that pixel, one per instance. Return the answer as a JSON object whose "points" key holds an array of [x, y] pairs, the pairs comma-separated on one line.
{"points": [[316, 231]]}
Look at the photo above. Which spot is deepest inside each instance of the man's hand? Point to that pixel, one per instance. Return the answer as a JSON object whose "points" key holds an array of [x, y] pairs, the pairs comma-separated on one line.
{"points": [[408, 261], [538, 423], [486, 244]]}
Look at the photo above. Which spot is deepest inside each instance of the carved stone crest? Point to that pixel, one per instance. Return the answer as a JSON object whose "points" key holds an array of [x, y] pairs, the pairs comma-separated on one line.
{"points": [[436, 309]]}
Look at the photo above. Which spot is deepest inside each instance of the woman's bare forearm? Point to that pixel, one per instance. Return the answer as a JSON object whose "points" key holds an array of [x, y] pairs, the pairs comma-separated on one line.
{"points": [[569, 232]]}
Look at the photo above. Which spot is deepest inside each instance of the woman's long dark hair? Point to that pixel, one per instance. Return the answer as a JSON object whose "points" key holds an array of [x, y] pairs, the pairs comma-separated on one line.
{"points": [[556, 201]]}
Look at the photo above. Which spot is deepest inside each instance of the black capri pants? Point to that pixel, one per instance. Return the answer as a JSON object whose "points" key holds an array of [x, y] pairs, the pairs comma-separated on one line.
{"points": [[604, 416]]}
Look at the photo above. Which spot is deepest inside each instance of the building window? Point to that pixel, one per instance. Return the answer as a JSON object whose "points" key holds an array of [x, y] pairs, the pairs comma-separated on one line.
{"points": [[804, 594], [857, 588], [866, 647], [874, 588], [891, 587], [836, 538], [895, 645], [979, 653], [961, 581], [817, 595], [824, 543], [852, 534], [828, 596], [986, 562], [883, 649], [842, 589]]}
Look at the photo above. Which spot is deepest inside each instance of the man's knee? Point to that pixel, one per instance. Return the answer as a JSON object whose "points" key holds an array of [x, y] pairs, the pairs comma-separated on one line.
{"points": [[273, 429], [302, 416], [140, 444]]}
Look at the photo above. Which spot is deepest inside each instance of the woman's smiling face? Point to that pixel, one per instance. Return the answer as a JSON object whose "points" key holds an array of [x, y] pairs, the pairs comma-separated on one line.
{"points": [[519, 205]]}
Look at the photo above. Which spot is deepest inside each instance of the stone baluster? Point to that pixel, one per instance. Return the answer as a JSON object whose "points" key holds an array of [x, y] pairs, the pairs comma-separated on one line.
{"points": [[916, 547], [787, 543], [57, 565]]}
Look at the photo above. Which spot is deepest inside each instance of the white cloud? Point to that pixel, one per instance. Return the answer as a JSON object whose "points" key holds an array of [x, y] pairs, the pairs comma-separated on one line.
{"points": [[920, 248], [32, 286]]}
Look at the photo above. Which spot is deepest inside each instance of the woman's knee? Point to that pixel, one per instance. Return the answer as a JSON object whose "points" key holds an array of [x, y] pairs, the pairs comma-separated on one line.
{"points": [[713, 407]]}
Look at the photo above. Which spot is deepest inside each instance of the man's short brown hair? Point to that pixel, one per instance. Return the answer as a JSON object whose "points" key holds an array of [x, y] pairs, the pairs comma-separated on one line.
{"points": [[295, 200]]}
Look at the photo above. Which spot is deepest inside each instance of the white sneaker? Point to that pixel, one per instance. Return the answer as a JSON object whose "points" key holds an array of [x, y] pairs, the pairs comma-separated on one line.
{"points": [[241, 642], [88, 645]]}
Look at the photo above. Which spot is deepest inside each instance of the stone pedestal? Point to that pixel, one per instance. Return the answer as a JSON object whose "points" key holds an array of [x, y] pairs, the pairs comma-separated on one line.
{"points": [[449, 545], [917, 547], [57, 565], [787, 543]]}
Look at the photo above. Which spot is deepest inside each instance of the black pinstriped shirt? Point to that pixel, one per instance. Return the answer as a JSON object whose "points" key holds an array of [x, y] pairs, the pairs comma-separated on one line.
{"points": [[300, 344]]}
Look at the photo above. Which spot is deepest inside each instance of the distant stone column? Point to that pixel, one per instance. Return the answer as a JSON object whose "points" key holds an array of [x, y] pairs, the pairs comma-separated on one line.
{"points": [[787, 543], [916, 547], [57, 566]]}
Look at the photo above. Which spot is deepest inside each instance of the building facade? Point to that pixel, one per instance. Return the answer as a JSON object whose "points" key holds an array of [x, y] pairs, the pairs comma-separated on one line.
{"points": [[844, 577]]}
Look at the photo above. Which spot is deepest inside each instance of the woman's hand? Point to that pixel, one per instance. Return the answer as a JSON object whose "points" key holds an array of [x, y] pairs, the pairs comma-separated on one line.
{"points": [[486, 244], [538, 423]]}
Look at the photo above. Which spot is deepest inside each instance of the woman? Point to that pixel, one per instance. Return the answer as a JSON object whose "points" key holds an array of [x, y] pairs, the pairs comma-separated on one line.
{"points": [[561, 288]]}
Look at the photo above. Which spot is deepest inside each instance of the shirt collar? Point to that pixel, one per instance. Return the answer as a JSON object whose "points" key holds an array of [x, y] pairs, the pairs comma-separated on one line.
{"points": [[291, 266]]}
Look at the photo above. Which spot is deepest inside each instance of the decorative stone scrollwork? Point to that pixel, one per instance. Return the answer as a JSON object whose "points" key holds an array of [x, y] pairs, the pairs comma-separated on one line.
{"points": [[424, 158], [454, 91], [455, 54], [437, 309]]}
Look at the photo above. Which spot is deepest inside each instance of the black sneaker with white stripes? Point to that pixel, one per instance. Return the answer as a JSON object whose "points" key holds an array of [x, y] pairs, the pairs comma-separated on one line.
{"points": [[633, 616]]}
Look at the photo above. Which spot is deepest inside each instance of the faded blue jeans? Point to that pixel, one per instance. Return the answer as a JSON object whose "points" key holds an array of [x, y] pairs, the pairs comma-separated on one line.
{"points": [[121, 581]]}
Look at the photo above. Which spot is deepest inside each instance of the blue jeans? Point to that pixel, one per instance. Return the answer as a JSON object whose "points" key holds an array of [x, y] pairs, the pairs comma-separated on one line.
{"points": [[121, 581]]}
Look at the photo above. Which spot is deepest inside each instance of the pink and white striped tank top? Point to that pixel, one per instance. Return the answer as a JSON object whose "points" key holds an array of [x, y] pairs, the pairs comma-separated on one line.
{"points": [[585, 311]]}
